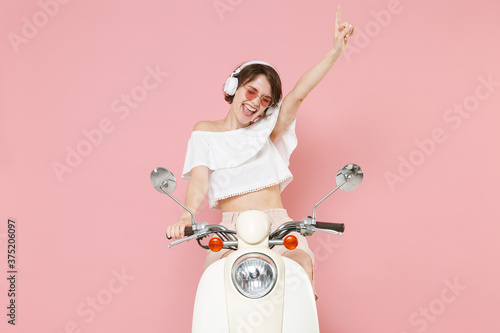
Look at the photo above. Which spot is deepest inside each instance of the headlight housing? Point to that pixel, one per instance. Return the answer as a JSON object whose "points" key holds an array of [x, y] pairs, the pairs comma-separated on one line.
{"points": [[254, 275]]}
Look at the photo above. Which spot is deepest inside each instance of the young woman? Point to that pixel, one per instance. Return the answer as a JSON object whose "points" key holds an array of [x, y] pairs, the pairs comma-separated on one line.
{"points": [[241, 161]]}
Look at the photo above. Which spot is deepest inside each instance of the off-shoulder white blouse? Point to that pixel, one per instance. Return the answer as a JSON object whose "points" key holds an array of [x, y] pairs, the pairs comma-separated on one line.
{"points": [[242, 160]]}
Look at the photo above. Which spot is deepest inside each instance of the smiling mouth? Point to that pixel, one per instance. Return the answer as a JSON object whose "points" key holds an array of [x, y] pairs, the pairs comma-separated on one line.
{"points": [[247, 110]]}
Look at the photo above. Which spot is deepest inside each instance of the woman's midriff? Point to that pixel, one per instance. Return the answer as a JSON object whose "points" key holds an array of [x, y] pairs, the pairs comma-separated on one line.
{"points": [[266, 198]]}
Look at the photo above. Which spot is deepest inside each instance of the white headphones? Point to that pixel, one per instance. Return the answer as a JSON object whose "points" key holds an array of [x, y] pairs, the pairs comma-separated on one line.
{"points": [[232, 81]]}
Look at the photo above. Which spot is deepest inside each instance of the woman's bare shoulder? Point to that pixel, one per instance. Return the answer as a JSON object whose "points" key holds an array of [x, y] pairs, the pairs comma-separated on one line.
{"points": [[208, 126]]}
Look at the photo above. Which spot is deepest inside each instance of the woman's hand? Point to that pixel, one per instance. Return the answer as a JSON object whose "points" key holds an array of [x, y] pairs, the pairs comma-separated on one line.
{"points": [[176, 231], [312, 77], [342, 33]]}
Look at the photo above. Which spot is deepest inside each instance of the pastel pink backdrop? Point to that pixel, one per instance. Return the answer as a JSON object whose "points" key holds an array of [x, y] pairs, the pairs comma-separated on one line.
{"points": [[420, 252]]}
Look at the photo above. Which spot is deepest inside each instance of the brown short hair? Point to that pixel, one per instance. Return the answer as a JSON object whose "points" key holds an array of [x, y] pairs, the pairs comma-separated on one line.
{"points": [[250, 73]]}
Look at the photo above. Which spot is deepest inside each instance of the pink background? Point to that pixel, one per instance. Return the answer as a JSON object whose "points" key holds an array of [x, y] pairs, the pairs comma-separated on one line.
{"points": [[411, 231]]}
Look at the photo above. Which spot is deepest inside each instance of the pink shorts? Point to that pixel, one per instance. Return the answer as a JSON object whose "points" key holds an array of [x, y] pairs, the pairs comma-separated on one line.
{"points": [[277, 216]]}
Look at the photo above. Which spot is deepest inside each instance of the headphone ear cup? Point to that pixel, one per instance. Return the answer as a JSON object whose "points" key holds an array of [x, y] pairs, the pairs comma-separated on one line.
{"points": [[231, 85]]}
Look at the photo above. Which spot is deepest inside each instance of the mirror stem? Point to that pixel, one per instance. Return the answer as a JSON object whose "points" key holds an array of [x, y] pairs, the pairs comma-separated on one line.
{"points": [[314, 209], [190, 212]]}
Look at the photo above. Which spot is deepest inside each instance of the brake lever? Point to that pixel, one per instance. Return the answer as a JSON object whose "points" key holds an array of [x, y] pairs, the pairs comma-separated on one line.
{"points": [[333, 232], [177, 242]]}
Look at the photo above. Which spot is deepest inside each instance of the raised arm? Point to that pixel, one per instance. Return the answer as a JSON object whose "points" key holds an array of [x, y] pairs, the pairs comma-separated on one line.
{"points": [[312, 77]]}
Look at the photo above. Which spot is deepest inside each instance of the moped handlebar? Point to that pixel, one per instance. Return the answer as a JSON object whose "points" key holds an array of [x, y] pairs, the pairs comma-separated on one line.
{"points": [[338, 227], [305, 227], [188, 231]]}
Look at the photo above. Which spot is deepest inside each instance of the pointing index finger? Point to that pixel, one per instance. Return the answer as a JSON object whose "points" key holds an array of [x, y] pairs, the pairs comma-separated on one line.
{"points": [[337, 18]]}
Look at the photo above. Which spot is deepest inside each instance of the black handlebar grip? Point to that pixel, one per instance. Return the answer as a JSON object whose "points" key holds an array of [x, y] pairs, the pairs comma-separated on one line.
{"points": [[339, 227], [188, 231]]}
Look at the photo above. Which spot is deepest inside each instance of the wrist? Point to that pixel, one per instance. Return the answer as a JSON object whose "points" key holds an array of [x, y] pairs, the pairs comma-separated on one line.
{"points": [[186, 220], [334, 54]]}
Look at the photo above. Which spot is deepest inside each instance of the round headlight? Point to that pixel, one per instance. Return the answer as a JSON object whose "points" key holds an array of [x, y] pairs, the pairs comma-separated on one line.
{"points": [[254, 275]]}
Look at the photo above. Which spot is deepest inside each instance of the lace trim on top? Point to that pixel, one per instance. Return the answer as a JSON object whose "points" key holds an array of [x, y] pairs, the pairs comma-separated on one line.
{"points": [[282, 182]]}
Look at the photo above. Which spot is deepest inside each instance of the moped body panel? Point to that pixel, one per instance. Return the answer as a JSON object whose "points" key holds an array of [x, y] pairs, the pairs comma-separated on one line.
{"points": [[210, 313], [299, 312]]}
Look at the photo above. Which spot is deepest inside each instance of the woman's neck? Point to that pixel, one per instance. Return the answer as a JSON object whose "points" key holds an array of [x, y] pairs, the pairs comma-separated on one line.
{"points": [[231, 121]]}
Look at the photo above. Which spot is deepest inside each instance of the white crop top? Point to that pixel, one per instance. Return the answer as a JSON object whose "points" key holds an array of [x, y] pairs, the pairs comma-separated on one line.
{"points": [[242, 160]]}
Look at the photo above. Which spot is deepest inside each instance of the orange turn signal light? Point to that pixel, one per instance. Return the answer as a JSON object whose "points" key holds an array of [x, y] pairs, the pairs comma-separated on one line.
{"points": [[215, 244], [290, 242]]}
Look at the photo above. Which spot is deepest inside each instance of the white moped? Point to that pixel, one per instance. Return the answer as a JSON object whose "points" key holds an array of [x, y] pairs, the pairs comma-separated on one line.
{"points": [[254, 289]]}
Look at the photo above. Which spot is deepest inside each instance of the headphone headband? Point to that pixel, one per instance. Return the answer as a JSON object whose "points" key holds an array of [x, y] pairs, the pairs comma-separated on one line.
{"points": [[232, 81], [253, 62]]}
